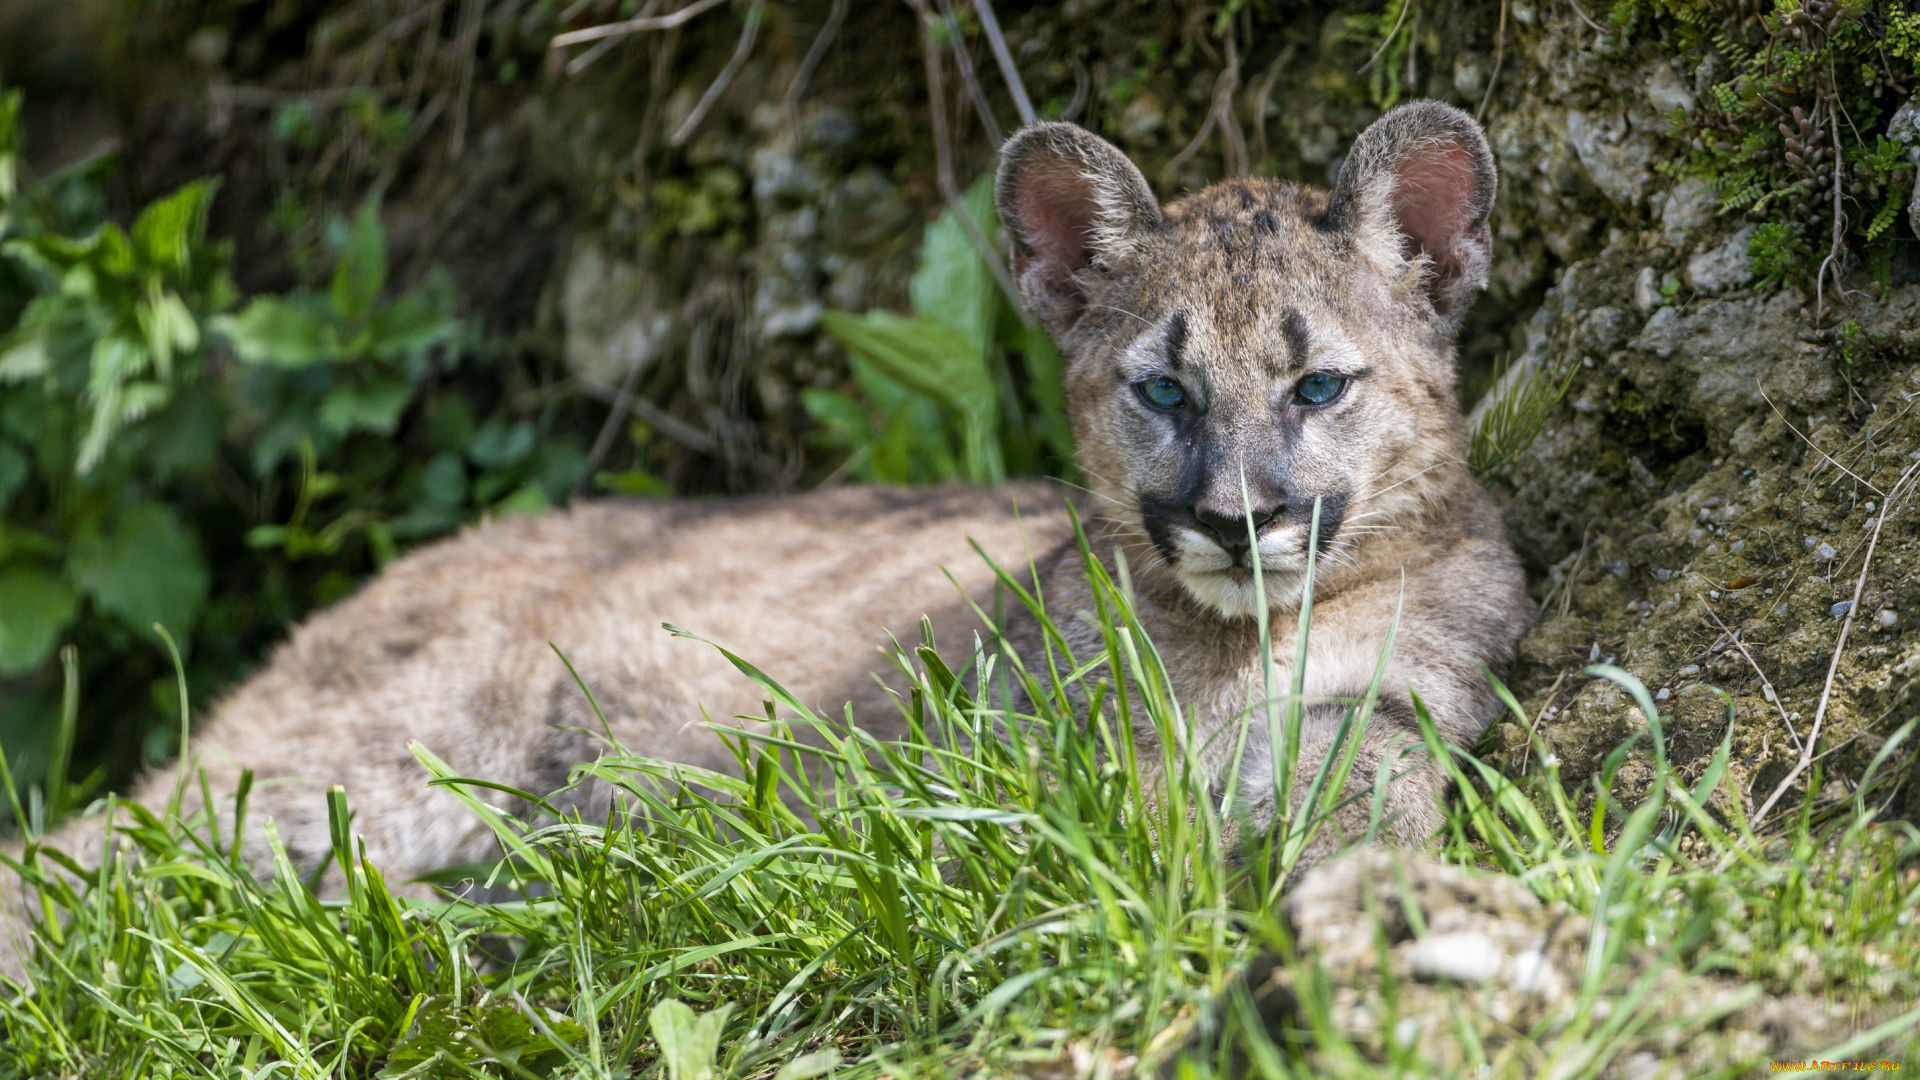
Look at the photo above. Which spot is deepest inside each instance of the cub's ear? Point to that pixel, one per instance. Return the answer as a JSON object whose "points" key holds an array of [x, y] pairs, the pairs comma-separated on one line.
{"points": [[1416, 191], [1073, 204]]}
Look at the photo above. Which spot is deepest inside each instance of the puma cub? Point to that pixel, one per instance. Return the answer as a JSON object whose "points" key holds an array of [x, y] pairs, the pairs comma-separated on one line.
{"points": [[1257, 337]]}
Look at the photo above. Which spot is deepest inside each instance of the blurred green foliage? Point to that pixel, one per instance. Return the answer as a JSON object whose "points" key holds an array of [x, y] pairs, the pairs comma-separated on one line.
{"points": [[171, 456], [966, 389]]}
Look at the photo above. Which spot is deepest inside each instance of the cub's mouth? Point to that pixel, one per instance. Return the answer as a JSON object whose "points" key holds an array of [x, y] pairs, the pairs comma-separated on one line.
{"points": [[1212, 559]]}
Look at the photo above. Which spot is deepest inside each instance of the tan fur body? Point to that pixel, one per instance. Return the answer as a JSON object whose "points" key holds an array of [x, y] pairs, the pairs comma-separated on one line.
{"points": [[1238, 293]]}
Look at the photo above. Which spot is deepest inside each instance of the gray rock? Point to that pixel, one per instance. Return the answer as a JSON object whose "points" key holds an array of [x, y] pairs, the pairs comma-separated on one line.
{"points": [[1619, 164], [1723, 267], [1904, 128], [614, 317]]}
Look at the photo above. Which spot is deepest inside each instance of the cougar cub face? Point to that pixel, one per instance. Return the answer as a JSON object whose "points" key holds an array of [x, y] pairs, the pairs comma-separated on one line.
{"points": [[1254, 347]]}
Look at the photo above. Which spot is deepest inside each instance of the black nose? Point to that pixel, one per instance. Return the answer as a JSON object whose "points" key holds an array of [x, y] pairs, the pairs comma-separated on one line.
{"points": [[1230, 530]]}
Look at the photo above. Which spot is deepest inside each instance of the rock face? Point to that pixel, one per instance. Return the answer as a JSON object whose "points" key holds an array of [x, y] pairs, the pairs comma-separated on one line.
{"points": [[1406, 952]]}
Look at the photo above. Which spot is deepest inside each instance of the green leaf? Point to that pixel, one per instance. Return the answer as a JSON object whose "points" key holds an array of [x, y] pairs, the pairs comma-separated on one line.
{"points": [[361, 274], [808, 1066], [530, 499], [147, 568], [842, 421], [168, 326], [374, 406], [952, 284], [688, 1041], [407, 325], [940, 361], [165, 233], [35, 606], [24, 359], [279, 333], [633, 483]]}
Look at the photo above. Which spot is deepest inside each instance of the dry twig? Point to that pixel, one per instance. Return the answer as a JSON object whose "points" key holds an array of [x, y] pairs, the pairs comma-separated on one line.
{"points": [[943, 157], [635, 25], [1220, 114], [1783, 419], [1499, 55], [790, 102], [1839, 648], [721, 81], [998, 42], [470, 12], [1771, 695], [963, 60]]}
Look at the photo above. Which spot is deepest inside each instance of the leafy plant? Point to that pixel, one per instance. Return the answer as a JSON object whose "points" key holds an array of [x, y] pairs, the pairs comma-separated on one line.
{"points": [[1513, 415], [938, 396], [167, 459]]}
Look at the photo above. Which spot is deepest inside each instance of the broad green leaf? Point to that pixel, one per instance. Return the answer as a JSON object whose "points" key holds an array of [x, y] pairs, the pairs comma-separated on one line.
{"points": [[165, 233], [361, 274], [146, 568], [952, 284], [23, 359], [940, 361], [499, 446], [168, 325], [842, 421], [688, 1041], [278, 333], [374, 406], [530, 499], [407, 325], [35, 606]]}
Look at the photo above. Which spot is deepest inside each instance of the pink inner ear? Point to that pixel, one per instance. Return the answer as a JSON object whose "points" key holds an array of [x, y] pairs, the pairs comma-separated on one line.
{"points": [[1056, 216], [1433, 200]]}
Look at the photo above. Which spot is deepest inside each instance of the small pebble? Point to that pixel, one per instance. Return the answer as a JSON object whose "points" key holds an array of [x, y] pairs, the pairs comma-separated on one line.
{"points": [[1461, 956], [1840, 609], [1690, 669], [1781, 610], [1712, 595], [1824, 553], [1663, 574], [1663, 695], [1888, 618]]}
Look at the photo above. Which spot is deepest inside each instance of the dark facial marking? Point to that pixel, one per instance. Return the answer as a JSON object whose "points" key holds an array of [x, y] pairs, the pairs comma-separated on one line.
{"points": [[1246, 198], [1293, 327], [1177, 339], [1263, 220]]}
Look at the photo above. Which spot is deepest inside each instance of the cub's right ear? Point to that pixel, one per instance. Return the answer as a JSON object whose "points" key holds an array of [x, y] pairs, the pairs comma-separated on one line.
{"points": [[1073, 205]]}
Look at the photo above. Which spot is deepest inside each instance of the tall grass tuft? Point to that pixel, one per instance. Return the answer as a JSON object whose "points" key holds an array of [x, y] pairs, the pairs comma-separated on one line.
{"points": [[1041, 876]]}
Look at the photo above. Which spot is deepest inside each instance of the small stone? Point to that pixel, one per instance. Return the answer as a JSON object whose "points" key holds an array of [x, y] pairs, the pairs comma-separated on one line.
{"points": [[1690, 669], [1840, 609], [1824, 552], [1663, 575], [1663, 695], [1646, 291], [1887, 618], [1463, 956], [1724, 267]]}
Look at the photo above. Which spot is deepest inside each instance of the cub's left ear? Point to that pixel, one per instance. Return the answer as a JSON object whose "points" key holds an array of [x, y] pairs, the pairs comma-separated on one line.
{"points": [[1417, 187]]}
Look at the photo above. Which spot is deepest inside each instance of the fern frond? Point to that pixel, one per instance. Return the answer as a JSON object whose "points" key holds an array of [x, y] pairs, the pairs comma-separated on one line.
{"points": [[1520, 406]]}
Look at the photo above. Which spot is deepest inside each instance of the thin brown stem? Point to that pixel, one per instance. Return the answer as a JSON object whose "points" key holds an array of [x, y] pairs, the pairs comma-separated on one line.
{"points": [[741, 51], [998, 43], [790, 102], [1839, 649], [1499, 56], [943, 157], [635, 25], [963, 60]]}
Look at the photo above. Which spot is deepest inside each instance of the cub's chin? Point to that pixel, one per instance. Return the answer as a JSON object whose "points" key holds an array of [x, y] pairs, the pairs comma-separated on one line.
{"points": [[1231, 593]]}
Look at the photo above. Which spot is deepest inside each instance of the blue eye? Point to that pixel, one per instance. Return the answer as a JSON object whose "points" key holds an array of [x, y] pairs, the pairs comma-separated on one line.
{"points": [[1162, 393], [1319, 389]]}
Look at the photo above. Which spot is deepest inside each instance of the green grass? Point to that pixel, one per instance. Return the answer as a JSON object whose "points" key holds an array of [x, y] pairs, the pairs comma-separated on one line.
{"points": [[996, 892]]}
